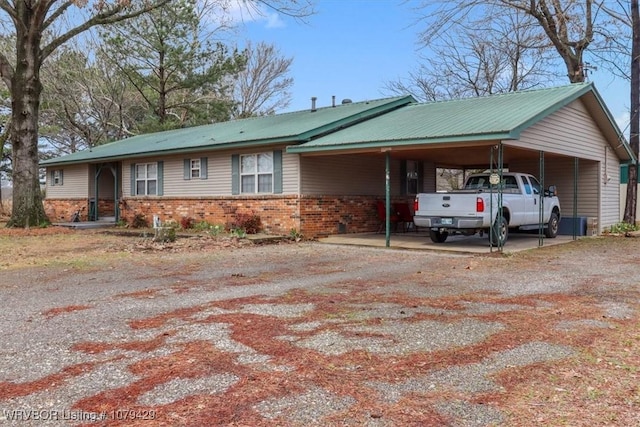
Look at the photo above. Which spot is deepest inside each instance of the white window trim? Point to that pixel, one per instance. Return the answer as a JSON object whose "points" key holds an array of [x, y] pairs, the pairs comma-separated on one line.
{"points": [[256, 174], [56, 178], [193, 169], [146, 178]]}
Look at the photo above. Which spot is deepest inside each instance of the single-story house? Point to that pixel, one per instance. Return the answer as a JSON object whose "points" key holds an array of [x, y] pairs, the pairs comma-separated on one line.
{"points": [[320, 171]]}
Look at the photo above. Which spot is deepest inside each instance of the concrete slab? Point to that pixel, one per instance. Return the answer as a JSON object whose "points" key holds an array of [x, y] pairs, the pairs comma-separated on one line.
{"points": [[465, 244], [86, 224]]}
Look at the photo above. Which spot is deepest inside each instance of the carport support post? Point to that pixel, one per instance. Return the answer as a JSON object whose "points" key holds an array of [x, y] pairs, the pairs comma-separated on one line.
{"points": [[541, 201], [575, 198], [387, 198]]}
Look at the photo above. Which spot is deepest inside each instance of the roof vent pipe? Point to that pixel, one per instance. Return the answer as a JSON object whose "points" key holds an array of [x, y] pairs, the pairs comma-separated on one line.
{"points": [[313, 103], [333, 100]]}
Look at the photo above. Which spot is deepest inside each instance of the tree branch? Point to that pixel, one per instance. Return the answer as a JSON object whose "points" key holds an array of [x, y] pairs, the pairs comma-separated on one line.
{"points": [[11, 11], [107, 17], [6, 71], [55, 15]]}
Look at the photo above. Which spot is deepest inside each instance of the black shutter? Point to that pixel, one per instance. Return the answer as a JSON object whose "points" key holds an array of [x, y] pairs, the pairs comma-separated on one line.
{"points": [[277, 171], [235, 174]]}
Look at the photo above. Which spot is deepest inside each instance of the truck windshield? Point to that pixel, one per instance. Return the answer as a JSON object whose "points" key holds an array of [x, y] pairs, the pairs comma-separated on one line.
{"points": [[477, 183]]}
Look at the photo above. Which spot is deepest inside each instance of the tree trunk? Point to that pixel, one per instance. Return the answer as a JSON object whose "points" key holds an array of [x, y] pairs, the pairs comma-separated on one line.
{"points": [[26, 89], [634, 125]]}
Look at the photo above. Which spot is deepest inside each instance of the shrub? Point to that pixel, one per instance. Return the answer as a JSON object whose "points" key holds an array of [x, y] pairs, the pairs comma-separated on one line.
{"points": [[294, 234], [187, 222], [202, 226], [139, 221], [215, 230], [248, 222], [238, 232], [623, 227]]}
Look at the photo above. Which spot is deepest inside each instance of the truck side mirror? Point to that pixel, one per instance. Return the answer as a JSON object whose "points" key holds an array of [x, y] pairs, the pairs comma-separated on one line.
{"points": [[551, 191]]}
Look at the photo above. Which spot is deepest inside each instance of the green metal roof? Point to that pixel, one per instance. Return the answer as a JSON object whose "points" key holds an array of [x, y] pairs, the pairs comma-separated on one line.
{"points": [[291, 128], [494, 117]]}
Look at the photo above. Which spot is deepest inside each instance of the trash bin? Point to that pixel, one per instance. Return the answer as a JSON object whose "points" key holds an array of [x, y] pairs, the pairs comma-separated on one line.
{"points": [[567, 224]]}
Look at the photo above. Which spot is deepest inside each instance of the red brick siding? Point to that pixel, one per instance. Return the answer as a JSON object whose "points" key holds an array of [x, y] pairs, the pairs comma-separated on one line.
{"points": [[325, 215], [106, 207], [61, 210], [313, 216], [278, 214]]}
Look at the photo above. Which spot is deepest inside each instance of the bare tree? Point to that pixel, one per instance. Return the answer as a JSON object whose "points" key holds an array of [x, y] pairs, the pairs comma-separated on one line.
{"points": [[634, 124], [40, 27], [263, 86], [570, 27], [85, 102], [566, 26], [31, 20], [505, 55]]}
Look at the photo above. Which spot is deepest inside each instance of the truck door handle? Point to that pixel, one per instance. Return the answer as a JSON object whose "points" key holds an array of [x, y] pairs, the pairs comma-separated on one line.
{"points": [[535, 202]]}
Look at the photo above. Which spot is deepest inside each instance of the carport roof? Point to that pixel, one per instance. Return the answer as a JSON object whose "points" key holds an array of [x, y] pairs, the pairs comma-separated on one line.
{"points": [[495, 117], [295, 127]]}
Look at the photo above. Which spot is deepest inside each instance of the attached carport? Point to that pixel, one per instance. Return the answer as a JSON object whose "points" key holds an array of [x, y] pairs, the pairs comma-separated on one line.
{"points": [[565, 136]]}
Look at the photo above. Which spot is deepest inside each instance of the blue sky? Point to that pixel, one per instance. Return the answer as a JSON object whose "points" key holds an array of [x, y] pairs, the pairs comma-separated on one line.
{"points": [[351, 48], [348, 49]]}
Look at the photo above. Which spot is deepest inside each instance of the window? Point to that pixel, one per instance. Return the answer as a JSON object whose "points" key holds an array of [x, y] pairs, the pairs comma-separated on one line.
{"points": [[527, 186], [536, 185], [195, 168], [412, 177], [256, 173], [146, 179], [56, 177]]}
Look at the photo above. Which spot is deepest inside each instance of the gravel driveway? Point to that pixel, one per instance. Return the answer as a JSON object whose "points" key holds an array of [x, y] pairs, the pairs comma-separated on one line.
{"points": [[306, 334]]}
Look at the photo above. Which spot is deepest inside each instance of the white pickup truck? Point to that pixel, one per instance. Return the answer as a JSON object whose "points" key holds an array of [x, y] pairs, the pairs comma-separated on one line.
{"points": [[474, 209]]}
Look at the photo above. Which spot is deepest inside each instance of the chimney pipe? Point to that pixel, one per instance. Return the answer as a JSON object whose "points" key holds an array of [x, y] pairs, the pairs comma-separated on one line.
{"points": [[313, 103], [333, 100]]}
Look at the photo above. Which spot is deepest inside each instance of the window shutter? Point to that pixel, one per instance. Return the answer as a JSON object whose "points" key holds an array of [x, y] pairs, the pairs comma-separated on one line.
{"points": [[277, 171], [187, 168], [61, 176], [133, 179], [235, 174], [160, 181], [203, 168], [52, 177], [403, 177]]}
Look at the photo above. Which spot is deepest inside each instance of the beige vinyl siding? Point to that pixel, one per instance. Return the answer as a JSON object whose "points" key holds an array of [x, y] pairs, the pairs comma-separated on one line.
{"points": [[560, 172], [610, 184], [75, 182], [429, 178], [290, 173], [570, 131], [218, 182], [174, 184], [347, 175]]}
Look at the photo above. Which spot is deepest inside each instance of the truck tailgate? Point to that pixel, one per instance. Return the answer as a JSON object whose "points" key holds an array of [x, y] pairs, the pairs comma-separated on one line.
{"points": [[447, 204]]}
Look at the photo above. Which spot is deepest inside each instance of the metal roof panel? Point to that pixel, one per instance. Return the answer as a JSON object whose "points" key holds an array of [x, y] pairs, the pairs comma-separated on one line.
{"points": [[502, 116], [292, 127]]}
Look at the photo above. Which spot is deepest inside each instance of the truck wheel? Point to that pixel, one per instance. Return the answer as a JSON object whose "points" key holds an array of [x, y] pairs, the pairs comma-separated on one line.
{"points": [[500, 231], [552, 228], [438, 236]]}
